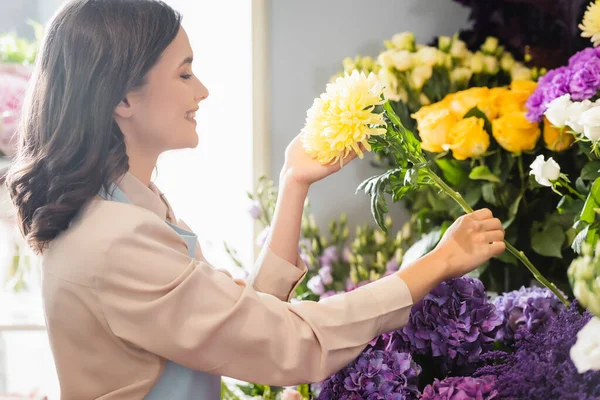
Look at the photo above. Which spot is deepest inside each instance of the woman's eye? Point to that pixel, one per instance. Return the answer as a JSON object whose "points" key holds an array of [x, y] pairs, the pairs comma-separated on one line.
{"points": [[187, 76]]}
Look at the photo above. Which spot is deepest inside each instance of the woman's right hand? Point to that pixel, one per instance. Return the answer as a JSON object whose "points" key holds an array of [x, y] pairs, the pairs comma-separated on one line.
{"points": [[469, 242]]}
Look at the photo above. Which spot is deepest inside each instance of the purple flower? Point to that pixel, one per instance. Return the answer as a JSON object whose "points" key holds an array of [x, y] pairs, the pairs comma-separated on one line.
{"points": [[585, 80], [540, 366], [392, 265], [462, 388], [531, 308], [454, 322], [330, 255], [375, 374], [255, 210], [325, 274], [315, 284], [346, 253]]}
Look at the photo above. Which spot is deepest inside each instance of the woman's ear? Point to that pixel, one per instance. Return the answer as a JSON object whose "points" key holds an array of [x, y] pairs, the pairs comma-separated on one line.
{"points": [[124, 109]]}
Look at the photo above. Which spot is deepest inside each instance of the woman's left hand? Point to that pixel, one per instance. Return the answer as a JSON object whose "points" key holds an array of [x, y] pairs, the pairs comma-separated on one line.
{"points": [[305, 170]]}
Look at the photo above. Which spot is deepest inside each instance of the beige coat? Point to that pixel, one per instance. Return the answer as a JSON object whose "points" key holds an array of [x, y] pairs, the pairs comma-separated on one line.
{"points": [[122, 296]]}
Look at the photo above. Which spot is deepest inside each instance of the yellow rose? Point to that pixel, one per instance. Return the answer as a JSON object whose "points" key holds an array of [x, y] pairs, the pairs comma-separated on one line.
{"points": [[468, 139], [556, 139], [477, 96], [513, 100], [515, 133], [434, 127]]}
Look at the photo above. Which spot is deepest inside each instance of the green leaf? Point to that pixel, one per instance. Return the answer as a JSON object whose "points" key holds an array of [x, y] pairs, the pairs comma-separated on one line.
{"points": [[483, 173], [507, 258], [512, 212], [591, 171], [549, 241], [489, 195], [593, 201], [452, 170], [476, 112]]}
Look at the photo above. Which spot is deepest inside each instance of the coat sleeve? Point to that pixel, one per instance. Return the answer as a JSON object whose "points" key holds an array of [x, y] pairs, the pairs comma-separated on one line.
{"points": [[156, 298]]}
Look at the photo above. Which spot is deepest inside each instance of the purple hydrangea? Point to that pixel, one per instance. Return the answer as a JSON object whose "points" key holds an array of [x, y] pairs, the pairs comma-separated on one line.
{"points": [[455, 322], [462, 388], [540, 366], [375, 374], [532, 308], [580, 79]]}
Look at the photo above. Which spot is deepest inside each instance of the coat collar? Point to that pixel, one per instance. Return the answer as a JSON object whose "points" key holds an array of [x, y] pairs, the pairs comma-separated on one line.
{"points": [[148, 197]]}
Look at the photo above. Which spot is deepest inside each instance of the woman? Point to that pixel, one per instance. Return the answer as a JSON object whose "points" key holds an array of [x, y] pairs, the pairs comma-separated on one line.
{"points": [[133, 308]]}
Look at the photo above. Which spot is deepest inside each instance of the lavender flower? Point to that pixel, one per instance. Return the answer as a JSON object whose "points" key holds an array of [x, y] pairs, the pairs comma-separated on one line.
{"points": [[330, 255], [315, 284], [540, 367], [455, 322], [375, 374], [532, 308], [460, 388], [255, 210], [325, 274]]}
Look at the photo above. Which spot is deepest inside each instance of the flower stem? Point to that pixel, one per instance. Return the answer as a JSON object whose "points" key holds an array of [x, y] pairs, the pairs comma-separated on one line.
{"points": [[570, 189], [515, 252]]}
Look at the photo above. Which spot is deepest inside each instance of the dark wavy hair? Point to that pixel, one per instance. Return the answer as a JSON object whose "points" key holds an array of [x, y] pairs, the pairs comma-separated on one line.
{"points": [[93, 53]]}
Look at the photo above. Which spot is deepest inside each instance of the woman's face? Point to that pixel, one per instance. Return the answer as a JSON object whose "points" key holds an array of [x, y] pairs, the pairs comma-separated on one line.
{"points": [[160, 115]]}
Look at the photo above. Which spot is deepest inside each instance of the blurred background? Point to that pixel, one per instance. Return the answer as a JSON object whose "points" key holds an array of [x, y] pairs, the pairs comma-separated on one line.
{"points": [[264, 62]]}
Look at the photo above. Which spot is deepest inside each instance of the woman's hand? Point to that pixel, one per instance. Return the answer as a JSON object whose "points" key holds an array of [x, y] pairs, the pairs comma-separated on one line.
{"points": [[469, 242], [303, 169]]}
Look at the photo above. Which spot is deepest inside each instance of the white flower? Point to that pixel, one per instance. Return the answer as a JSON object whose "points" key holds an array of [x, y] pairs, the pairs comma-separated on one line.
{"points": [[585, 353], [427, 56], [507, 62], [315, 284], [520, 72], [490, 65], [545, 172], [459, 49], [574, 112], [590, 120], [402, 60], [461, 74], [404, 40], [420, 75], [444, 43], [557, 110], [490, 46], [325, 274], [476, 62], [291, 394], [379, 237]]}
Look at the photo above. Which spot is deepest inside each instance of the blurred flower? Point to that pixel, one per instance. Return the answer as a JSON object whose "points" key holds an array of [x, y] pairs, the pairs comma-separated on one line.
{"points": [[531, 308], [315, 284], [461, 75], [591, 23], [404, 41], [468, 139], [255, 210], [459, 49], [462, 102], [325, 274], [342, 118], [374, 374], [574, 112], [556, 139], [585, 353], [476, 63], [330, 255], [462, 388], [392, 265], [420, 75], [490, 45], [262, 236], [427, 56], [515, 133], [584, 277], [13, 84], [291, 394], [545, 172], [507, 62]]}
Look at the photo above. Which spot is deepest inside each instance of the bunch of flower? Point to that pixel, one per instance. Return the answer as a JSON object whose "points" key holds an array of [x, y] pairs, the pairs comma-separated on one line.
{"points": [[461, 387], [375, 374], [455, 323], [540, 366], [418, 75], [530, 308]]}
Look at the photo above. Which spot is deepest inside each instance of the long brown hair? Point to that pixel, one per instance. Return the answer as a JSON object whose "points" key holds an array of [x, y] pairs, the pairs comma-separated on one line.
{"points": [[94, 52]]}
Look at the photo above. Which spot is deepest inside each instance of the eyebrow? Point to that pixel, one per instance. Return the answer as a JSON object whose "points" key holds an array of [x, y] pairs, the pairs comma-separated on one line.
{"points": [[188, 60]]}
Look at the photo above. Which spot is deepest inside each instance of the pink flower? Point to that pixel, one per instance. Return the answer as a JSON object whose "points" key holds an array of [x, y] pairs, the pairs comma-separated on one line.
{"points": [[13, 83], [291, 394]]}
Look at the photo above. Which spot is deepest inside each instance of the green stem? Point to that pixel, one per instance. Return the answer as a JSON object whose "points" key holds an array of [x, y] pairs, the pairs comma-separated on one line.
{"points": [[517, 253], [571, 190]]}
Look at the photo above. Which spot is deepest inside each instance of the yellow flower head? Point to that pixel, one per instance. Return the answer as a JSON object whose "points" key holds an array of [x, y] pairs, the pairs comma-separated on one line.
{"points": [[513, 100], [515, 133], [590, 26], [468, 139], [342, 118], [481, 97], [556, 139], [434, 128]]}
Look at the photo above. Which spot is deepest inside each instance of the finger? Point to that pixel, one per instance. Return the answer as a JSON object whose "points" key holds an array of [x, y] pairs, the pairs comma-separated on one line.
{"points": [[491, 224], [494, 236], [480, 215], [497, 248]]}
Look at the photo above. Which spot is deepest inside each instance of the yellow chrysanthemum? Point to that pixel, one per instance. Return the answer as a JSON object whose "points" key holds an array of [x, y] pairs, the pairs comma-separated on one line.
{"points": [[342, 118], [590, 26]]}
